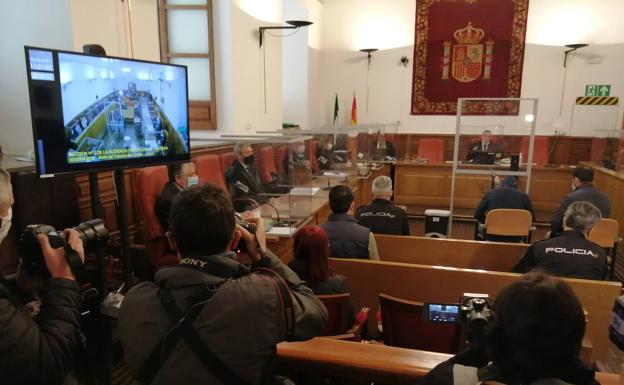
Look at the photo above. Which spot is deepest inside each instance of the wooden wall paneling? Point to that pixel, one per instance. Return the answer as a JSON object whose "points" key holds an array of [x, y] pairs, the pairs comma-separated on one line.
{"points": [[200, 116]]}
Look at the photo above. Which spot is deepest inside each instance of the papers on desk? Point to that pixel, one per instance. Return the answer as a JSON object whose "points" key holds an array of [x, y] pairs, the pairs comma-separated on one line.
{"points": [[281, 231], [341, 176], [304, 191]]}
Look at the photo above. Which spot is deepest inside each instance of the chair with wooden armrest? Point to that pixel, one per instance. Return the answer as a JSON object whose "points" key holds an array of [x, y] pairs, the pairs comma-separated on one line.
{"points": [[338, 324], [404, 325], [605, 235], [508, 223]]}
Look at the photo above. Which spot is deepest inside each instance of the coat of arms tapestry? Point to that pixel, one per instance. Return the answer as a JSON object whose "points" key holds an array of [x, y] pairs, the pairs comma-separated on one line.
{"points": [[468, 49]]}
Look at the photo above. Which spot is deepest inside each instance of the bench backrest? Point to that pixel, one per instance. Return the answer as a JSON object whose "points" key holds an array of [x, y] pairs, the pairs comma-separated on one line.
{"points": [[445, 285], [492, 256]]}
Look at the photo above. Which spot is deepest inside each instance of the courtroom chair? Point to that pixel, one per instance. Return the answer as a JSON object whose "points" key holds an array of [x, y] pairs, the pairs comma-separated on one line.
{"points": [[266, 161], [404, 326], [541, 150], [209, 170], [281, 152], [311, 152], [226, 158], [149, 182], [431, 149], [605, 235], [339, 308], [512, 223]]}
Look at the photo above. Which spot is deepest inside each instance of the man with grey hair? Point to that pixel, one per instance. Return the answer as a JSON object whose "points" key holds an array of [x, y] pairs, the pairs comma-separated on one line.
{"points": [[242, 178], [6, 202], [381, 215], [571, 254]]}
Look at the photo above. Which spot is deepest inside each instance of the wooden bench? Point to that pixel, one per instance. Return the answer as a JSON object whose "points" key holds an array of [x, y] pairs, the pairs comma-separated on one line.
{"points": [[368, 362], [445, 285], [492, 256]]}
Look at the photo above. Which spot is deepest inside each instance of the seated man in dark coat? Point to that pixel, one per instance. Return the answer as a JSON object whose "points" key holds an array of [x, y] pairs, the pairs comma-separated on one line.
{"points": [[182, 175], [347, 239], [381, 215], [582, 190], [243, 179], [504, 196], [382, 148], [570, 254]]}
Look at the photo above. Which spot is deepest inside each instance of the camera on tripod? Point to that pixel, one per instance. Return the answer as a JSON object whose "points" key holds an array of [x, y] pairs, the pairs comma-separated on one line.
{"points": [[93, 234]]}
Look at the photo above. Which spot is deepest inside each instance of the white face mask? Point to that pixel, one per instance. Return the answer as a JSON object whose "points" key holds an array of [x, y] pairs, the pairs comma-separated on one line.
{"points": [[300, 149], [6, 225], [192, 181], [329, 146]]}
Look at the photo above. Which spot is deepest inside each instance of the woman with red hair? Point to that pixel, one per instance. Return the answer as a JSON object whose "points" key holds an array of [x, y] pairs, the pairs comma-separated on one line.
{"points": [[311, 251]]}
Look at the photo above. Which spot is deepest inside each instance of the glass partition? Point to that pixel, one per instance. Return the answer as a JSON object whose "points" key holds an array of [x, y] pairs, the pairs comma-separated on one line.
{"points": [[494, 140]]}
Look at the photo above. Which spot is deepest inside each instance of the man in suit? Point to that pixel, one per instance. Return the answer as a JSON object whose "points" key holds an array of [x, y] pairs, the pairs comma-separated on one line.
{"points": [[486, 146], [504, 196], [582, 190], [242, 178], [181, 176], [383, 149]]}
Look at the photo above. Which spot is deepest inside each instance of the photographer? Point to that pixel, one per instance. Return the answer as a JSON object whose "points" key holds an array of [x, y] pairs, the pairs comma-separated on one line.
{"points": [[211, 319], [535, 337], [40, 351]]}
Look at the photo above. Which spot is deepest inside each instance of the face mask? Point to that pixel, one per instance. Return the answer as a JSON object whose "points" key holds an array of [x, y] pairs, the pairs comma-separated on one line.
{"points": [[329, 146], [6, 225], [192, 181], [248, 160], [300, 149]]}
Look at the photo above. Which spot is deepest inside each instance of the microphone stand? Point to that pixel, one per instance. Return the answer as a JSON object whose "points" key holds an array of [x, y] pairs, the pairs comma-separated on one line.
{"points": [[279, 222]]}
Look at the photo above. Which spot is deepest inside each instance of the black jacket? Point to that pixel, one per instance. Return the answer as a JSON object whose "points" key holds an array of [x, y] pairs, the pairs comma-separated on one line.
{"points": [[164, 202], [325, 158], [383, 217], [347, 239], [568, 255], [503, 197], [586, 192], [474, 368], [244, 182], [492, 148], [382, 154], [40, 352]]}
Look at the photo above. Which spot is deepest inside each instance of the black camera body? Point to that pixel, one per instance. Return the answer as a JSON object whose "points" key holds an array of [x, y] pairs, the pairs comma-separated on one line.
{"points": [[93, 234], [242, 246]]}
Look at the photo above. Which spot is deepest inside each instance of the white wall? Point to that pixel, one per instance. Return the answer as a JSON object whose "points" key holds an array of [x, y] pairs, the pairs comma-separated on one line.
{"points": [[239, 71], [344, 70], [108, 23], [49, 26]]}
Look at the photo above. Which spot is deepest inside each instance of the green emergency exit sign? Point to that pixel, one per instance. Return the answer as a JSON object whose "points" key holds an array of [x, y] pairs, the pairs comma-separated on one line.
{"points": [[597, 90]]}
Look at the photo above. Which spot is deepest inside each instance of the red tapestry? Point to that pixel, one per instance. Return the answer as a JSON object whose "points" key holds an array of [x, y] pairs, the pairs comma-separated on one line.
{"points": [[468, 49]]}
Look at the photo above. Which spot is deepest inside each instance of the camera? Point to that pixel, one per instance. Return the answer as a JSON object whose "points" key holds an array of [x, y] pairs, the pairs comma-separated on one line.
{"points": [[242, 246], [93, 234]]}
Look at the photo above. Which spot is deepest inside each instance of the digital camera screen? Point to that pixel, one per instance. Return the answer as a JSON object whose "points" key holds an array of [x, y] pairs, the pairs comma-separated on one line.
{"points": [[443, 313], [94, 112]]}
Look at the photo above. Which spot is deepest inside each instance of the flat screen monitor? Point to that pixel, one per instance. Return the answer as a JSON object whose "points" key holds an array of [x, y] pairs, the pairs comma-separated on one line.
{"points": [[93, 113]]}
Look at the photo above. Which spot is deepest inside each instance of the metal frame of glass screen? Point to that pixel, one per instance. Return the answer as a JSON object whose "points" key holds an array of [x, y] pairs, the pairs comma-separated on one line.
{"points": [[456, 170]]}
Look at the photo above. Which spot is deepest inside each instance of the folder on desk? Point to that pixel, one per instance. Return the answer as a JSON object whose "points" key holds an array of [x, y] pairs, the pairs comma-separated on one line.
{"points": [[304, 191]]}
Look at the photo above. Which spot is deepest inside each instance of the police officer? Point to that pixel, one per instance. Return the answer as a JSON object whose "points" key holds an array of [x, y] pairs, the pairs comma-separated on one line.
{"points": [[381, 215], [570, 254]]}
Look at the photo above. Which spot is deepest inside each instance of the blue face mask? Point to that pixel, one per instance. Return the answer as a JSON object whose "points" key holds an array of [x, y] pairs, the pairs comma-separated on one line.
{"points": [[192, 181]]}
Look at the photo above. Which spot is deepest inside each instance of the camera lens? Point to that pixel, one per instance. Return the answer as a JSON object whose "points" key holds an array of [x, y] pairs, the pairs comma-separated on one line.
{"points": [[93, 233]]}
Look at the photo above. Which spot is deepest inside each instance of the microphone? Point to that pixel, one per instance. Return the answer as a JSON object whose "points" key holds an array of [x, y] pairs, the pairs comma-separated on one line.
{"points": [[279, 222], [328, 187]]}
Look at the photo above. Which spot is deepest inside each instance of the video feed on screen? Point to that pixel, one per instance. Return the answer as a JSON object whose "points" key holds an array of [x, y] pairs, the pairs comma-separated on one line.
{"points": [[443, 313], [116, 109]]}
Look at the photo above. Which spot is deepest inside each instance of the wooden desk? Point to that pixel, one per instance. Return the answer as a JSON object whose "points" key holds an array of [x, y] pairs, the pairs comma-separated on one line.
{"points": [[429, 186], [369, 362]]}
